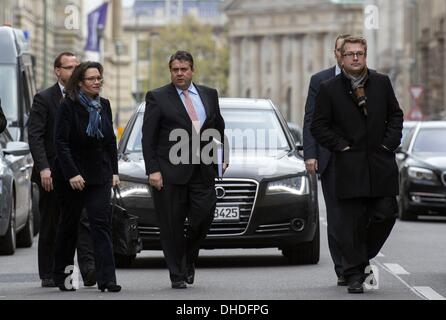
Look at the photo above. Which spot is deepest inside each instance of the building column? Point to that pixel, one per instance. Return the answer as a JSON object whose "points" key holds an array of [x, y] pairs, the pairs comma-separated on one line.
{"points": [[276, 70], [235, 65], [255, 67], [297, 100]]}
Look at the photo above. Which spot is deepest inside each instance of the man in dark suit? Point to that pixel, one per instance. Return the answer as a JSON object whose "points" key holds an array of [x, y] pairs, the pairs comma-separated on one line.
{"points": [[41, 143], [3, 122], [318, 159], [358, 118], [186, 188]]}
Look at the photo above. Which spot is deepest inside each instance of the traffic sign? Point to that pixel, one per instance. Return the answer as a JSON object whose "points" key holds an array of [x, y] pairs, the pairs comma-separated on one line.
{"points": [[416, 91]]}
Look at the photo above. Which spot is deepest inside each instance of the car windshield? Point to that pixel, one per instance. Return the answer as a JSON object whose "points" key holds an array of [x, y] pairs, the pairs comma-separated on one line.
{"points": [[430, 140], [8, 91], [245, 129]]}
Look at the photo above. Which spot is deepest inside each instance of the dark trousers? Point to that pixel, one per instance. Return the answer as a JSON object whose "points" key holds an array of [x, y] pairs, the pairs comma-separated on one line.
{"points": [[49, 219], [195, 201], [333, 215], [362, 229], [96, 201]]}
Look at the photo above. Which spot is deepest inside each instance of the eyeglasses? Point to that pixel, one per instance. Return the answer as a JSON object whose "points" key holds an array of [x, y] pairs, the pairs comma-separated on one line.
{"points": [[358, 54], [68, 67], [93, 79]]}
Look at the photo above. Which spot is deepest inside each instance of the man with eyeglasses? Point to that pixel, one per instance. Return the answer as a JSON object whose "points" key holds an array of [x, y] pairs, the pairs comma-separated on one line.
{"points": [[40, 133], [358, 118], [317, 158]]}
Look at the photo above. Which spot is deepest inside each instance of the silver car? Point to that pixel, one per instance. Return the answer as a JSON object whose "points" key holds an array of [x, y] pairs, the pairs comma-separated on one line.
{"points": [[16, 217]]}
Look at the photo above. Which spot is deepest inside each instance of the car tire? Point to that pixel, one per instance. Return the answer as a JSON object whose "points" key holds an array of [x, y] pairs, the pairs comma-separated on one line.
{"points": [[305, 253], [404, 211], [8, 241], [25, 236], [122, 261]]}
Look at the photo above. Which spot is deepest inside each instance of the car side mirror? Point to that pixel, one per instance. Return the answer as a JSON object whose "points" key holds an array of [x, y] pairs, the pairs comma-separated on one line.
{"points": [[16, 148]]}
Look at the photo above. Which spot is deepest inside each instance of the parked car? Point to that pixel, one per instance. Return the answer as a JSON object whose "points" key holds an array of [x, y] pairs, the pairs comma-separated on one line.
{"points": [[265, 200], [422, 167], [17, 89], [16, 217]]}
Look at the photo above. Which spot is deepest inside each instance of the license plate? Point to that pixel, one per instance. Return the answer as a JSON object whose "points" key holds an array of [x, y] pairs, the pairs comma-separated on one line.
{"points": [[227, 214]]}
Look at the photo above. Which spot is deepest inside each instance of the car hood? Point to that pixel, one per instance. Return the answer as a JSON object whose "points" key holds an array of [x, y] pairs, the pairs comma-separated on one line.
{"points": [[433, 160], [255, 165]]}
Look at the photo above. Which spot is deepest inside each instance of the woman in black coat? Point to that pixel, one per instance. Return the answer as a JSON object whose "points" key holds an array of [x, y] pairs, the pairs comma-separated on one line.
{"points": [[86, 169]]}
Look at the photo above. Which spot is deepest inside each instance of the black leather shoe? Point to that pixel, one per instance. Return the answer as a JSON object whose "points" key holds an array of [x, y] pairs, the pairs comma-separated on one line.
{"points": [[110, 287], [342, 282], [63, 288], [48, 283], [179, 285], [356, 287], [190, 277], [90, 279]]}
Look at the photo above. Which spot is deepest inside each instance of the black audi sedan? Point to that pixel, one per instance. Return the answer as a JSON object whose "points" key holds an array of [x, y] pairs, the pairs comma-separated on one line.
{"points": [[266, 198], [422, 166]]}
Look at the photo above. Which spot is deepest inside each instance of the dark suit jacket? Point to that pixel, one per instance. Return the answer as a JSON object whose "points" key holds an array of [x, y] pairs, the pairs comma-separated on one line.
{"points": [[164, 113], [313, 150], [78, 154], [41, 129], [367, 169], [3, 121]]}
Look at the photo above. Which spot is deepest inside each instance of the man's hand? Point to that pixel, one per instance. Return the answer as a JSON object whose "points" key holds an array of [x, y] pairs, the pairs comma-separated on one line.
{"points": [[311, 165], [77, 183], [116, 180], [46, 180], [156, 180]]}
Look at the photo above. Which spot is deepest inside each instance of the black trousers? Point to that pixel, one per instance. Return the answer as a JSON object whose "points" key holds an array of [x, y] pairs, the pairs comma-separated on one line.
{"points": [[96, 201], [195, 201], [49, 219], [361, 231], [333, 215]]}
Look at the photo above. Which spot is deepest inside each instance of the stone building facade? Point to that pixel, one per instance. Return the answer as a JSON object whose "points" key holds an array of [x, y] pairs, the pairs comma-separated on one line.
{"points": [[275, 47]]}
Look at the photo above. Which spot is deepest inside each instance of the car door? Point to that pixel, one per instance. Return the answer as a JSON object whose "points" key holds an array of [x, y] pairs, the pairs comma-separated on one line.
{"points": [[21, 167]]}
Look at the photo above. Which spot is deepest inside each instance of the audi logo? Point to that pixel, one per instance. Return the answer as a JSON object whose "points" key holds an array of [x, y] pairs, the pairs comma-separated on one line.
{"points": [[220, 191]]}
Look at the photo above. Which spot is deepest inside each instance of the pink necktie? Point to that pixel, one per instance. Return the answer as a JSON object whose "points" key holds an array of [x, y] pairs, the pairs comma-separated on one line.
{"points": [[191, 110]]}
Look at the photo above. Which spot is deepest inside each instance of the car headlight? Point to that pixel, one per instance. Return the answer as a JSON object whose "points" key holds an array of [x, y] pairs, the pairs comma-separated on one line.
{"points": [[421, 174], [296, 185], [134, 189]]}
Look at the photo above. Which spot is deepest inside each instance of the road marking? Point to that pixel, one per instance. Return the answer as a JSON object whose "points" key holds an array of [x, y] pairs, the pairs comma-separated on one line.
{"points": [[396, 268], [429, 293], [323, 221], [401, 280]]}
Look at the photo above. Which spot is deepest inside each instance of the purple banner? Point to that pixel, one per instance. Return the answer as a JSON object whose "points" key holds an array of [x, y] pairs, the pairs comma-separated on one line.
{"points": [[96, 24]]}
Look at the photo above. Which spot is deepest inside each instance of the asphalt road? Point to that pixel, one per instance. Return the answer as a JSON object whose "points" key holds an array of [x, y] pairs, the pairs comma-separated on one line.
{"points": [[411, 266]]}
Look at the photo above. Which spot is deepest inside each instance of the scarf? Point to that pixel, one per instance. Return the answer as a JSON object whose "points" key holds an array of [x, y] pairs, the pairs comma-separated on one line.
{"points": [[358, 83], [93, 107]]}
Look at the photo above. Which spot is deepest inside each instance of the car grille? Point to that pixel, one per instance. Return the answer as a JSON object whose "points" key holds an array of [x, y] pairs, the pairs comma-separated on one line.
{"points": [[238, 192], [274, 228]]}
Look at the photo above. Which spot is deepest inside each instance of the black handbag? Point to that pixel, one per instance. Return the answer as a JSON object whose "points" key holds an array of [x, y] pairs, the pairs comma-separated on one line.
{"points": [[126, 239]]}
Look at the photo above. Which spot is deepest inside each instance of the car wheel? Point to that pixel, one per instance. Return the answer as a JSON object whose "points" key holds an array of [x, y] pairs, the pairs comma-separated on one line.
{"points": [[305, 253], [122, 261], [404, 211], [25, 236], [8, 241]]}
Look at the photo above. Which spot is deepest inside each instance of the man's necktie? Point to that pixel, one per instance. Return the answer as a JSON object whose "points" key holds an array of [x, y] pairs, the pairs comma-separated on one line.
{"points": [[191, 111]]}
